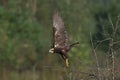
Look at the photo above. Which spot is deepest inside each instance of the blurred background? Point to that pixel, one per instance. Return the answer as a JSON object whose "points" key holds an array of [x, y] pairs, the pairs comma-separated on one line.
{"points": [[26, 37]]}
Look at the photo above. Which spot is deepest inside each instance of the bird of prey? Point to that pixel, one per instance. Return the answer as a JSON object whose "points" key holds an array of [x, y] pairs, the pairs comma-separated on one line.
{"points": [[60, 45]]}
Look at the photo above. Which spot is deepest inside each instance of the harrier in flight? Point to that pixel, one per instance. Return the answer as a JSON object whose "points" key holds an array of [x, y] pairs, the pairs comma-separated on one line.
{"points": [[60, 45]]}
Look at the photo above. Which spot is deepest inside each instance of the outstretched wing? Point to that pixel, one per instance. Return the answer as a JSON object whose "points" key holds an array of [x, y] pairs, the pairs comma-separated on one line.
{"points": [[59, 32]]}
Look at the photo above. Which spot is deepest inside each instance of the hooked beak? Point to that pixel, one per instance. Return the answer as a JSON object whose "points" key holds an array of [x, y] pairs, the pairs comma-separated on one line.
{"points": [[51, 50]]}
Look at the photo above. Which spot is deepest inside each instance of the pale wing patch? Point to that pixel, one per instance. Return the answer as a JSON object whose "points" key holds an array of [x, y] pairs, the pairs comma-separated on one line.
{"points": [[56, 45]]}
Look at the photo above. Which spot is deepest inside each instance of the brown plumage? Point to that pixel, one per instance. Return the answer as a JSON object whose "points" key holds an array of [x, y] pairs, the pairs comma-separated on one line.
{"points": [[60, 38]]}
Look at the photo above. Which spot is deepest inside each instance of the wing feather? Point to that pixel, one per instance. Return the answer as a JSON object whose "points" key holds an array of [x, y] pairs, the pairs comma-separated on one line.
{"points": [[59, 32]]}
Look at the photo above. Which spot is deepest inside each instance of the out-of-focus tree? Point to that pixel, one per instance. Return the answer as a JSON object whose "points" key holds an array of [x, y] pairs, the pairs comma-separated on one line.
{"points": [[26, 30], [106, 19], [107, 36]]}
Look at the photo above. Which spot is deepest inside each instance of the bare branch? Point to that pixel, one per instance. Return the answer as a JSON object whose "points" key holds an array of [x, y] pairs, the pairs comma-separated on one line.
{"points": [[97, 63], [100, 42], [116, 26], [111, 22]]}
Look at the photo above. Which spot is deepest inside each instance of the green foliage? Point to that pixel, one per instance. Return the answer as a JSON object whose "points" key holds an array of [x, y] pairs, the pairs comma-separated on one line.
{"points": [[26, 31], [18, 28]]}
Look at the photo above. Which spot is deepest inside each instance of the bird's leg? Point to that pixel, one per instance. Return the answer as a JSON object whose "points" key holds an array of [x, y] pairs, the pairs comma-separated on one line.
{"points": [[67, 63], [63, 56], [66, 60]]}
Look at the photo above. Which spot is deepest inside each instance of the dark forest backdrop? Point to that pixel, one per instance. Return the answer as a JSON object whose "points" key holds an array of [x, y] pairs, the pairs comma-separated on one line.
{"points": [[26, 36]]}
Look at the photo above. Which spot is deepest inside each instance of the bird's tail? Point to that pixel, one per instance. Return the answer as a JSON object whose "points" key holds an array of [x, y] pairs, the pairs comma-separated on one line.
{"points": [[72, 45]]}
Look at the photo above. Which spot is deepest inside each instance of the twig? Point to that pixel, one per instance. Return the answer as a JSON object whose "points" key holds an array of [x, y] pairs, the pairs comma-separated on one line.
{"points": [[34, 69], [111, 22], [100, 42], [116, 26], [97, 63], [111, 45], [113, 59]]}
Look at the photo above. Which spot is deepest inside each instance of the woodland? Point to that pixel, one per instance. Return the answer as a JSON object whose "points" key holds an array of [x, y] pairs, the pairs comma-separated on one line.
{"points": [[26, 37]]}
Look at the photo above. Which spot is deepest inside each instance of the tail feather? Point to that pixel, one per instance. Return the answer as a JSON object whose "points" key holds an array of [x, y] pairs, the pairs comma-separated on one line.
{"points": [[72, 45]]}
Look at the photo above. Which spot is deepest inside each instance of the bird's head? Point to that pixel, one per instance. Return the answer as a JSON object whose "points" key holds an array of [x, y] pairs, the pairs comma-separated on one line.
{"points": [[51, 50]]}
